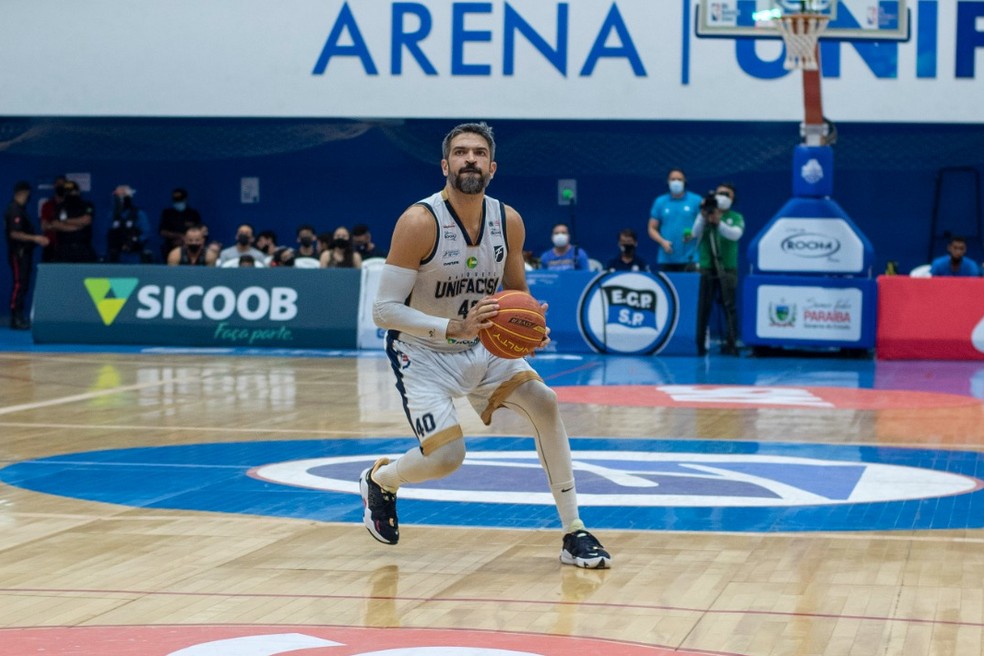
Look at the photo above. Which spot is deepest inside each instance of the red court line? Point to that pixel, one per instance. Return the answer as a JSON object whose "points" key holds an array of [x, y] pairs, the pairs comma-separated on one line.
{"points": [[614, 641], [481, 600]]}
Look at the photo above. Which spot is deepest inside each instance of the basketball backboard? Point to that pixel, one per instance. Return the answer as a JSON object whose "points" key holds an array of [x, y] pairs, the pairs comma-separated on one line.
{"points": [[849, 19]]}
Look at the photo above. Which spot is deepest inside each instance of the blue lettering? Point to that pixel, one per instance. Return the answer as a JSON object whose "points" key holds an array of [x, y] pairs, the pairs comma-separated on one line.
{"points": [[515, 23], [460, 36], [627, 50], [882, 57], [345, 22], [409, 40], [751, 63], [969, 38], [926, 39]]}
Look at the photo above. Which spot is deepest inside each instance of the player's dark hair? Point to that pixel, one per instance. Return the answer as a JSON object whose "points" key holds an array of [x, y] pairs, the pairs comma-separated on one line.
{"points": [[482, 129]]}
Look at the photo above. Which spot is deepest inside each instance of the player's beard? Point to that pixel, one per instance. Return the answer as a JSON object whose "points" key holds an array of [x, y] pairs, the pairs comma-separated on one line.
{"points": [[469, 184]]}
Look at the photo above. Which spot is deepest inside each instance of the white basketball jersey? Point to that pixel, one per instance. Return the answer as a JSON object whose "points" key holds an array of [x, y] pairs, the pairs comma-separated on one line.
{"points": [[457, 273]]}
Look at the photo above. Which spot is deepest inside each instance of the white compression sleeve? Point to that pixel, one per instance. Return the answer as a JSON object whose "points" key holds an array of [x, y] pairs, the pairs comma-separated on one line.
{"points": [[390, 310]]}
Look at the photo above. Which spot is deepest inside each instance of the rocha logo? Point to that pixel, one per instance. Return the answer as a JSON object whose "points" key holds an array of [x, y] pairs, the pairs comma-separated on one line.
{"points": [[809, 244]]}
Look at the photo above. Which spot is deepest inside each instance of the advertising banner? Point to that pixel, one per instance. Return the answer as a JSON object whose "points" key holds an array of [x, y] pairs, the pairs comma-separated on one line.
{"points": [[930, 318], [790, 311], [510, 59], [811, 236], [620, 313], [196, 306]]}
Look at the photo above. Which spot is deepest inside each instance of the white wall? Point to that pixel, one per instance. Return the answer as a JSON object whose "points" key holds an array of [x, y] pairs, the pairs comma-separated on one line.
{"points": [[238, 58]]}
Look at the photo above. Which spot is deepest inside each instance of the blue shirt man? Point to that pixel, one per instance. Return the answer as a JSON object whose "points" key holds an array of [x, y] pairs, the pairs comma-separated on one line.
{"points": [[955, 264], [670, 221], [564, 256]]}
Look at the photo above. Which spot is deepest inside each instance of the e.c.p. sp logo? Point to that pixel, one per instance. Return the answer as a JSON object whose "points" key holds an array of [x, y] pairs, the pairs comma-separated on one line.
{"points": [[630, 313]]}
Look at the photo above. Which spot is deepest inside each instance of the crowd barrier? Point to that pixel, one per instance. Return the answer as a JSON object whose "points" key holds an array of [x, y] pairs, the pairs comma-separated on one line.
{"points": [[930, 318], [195, 306], [619, 313]]}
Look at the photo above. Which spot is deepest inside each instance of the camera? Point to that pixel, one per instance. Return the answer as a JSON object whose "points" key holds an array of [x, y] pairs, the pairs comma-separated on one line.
{"points": [[710, 202]]}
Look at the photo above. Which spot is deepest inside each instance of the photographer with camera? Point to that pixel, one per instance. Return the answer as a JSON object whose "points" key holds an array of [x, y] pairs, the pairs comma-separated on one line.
{"points": [[718, 229], [127, 236]]}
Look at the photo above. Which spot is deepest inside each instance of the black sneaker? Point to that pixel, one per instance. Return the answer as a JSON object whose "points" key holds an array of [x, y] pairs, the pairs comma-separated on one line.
{"points": [[582, 549], [380, 514]]}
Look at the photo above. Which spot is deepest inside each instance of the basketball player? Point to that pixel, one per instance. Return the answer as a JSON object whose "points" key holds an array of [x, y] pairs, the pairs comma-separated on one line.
{"points": [[449, 253]]}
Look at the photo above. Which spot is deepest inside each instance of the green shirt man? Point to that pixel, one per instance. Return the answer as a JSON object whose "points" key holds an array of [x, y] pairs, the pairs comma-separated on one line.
{"points": [[719, 236]]}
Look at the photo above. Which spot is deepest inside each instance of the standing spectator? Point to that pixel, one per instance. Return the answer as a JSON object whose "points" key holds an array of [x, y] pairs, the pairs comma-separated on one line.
{"points": [[717, 231], [21, 241], [670, 220], [192, 252], [627, 259], [340, 254], [564, 256], [74, 227], [243, 246], [363, 244], [50, 210], [175, 220], [955, 264], [307, 243], [127, 236]]}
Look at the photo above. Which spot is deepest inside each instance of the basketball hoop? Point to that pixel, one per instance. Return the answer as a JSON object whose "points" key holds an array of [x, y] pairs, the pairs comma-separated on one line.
{"points": [[801, 32]]}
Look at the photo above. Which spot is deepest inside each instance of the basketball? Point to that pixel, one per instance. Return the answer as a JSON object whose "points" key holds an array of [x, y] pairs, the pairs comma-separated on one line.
{"points": [[517, 329]]}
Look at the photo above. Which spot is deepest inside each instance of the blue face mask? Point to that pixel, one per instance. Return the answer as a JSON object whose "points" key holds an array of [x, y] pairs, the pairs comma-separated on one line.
{"points": [[180, 206]]}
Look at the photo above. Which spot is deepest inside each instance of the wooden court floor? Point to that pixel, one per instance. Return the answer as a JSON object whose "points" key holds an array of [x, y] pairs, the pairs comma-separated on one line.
{"points": [[71, 562]]}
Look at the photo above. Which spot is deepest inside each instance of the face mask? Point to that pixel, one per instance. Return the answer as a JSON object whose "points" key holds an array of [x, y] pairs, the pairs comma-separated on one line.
{"points": [[288, 262], [362, 248], [194, 248], [180, 205], [60, 191], [724, 201], [561, 239], [306, 241], [243, 239], [340, 243], [628, 249], [676, 187]]}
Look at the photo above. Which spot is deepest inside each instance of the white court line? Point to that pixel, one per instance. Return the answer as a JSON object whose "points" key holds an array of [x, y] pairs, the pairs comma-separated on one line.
{"points": [[199, 429], [10, 409]]}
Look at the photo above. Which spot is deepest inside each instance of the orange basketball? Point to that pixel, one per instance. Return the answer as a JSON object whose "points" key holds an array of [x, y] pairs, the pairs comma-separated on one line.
{"points": [[518, 328]]}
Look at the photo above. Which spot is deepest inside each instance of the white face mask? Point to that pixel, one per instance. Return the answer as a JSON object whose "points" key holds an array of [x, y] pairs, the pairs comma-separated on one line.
{"points": [[676, 187], [561, 239], [724, 201]]}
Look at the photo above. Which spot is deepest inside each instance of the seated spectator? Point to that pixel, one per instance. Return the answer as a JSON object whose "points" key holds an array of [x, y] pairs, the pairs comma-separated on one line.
{"points": [[243, 246], [564, 256], [363, 244], [266, 242], [955, 264], [307, 243], [246, 261], [193, 252], [283, 257], [340, 254], [627, 259]]}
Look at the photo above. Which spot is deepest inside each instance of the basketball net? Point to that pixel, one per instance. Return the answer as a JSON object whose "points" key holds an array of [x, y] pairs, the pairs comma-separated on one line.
{"points": [[801, 33]]}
